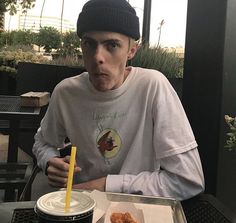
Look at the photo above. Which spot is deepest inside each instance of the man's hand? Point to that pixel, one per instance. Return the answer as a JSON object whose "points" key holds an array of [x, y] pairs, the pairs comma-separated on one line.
{"points": [[58, 171], [98, 184]]}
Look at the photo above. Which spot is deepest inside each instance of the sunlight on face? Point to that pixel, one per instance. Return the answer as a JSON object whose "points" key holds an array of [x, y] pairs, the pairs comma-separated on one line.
{"points": [[105, 56]]}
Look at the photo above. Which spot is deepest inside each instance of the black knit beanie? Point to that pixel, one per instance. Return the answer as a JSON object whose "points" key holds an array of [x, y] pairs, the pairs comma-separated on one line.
{"points": [[108, 15]]}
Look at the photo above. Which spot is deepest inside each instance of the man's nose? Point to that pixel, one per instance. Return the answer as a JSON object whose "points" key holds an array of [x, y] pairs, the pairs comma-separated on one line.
{"points": [[99, 55]]}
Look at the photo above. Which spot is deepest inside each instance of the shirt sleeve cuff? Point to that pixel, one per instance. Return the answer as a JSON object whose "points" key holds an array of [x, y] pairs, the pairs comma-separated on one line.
{"points": [[114, 183]]}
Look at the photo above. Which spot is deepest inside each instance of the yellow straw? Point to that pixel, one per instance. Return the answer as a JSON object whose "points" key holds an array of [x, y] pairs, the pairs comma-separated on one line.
{"points": [[70, 178]]}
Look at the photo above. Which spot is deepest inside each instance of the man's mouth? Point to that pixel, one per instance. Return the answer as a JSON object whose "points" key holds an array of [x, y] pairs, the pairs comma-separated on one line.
{"points": [[101, 74]]}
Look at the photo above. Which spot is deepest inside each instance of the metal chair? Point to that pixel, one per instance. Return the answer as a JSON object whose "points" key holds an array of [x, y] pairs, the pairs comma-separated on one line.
{"points": [[13, 179], [205, 208], [26, 192]]}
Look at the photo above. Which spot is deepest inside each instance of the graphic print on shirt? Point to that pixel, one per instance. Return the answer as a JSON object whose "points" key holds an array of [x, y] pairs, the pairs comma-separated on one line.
{"points": [[108, 143]]}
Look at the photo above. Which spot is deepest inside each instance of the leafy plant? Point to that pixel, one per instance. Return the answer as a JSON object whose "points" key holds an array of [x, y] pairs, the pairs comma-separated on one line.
{"points": [[10, 59], [67, 60], [231, 141], [159, 59]]}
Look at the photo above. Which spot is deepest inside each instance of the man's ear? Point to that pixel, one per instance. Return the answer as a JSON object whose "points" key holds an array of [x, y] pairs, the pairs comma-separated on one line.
{"points": [[132, 51]]}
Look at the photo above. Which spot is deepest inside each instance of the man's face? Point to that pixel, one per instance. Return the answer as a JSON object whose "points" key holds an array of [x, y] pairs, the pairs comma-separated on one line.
{"points": [[105, 55]]}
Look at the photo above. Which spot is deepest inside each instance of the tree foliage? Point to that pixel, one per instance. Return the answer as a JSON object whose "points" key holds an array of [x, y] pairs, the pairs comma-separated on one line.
{"points": [[21, 37], [2, 7], [71, 44], [2, 10], [12, 5], [3, 38], [17, 37], [49, 38]]}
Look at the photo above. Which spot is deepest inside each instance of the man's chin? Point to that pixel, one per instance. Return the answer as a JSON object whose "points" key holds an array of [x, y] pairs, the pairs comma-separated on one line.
{"points": [[101, 85], [102, 88]]}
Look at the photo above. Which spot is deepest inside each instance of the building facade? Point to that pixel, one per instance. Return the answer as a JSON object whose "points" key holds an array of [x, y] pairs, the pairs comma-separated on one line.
{"points": [[34, 22]]}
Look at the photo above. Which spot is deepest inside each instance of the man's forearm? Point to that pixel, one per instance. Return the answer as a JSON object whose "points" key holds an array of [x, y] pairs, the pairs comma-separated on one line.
{"points": [[97, 184], [181, 178]]}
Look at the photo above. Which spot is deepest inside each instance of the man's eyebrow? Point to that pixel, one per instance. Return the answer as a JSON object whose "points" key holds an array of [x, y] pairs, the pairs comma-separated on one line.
{"points": [[103, 41], [110, 40]]}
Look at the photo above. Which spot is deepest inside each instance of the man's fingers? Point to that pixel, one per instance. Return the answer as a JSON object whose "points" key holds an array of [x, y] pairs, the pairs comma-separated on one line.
{"points": [[77, 169], [59, 163], [53, 171], [67, 160], [56, 184], [58, 171], [58, 179]]}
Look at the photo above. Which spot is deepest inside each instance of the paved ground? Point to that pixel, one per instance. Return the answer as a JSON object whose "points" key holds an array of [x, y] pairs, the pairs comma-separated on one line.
{"points": [[22, 156]]}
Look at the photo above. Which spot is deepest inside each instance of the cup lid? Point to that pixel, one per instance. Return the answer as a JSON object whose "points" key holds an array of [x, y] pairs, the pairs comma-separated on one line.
{"points": [[54, 203]]}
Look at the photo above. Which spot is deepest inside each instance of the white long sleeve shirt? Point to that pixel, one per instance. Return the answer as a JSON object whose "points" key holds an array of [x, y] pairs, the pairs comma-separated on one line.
{"points": [[137, 135]]}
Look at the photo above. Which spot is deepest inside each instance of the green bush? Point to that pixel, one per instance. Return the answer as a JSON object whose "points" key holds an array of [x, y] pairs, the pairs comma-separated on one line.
{"points": [[68, 60], [159, 59], [10, 59]]}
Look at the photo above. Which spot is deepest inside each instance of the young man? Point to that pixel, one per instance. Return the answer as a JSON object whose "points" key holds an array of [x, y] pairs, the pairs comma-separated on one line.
{"points": [[130, 129]]}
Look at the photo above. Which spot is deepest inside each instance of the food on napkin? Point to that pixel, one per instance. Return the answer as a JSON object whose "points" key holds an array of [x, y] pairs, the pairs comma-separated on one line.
{"points": [[122, 218], [126, 210]]}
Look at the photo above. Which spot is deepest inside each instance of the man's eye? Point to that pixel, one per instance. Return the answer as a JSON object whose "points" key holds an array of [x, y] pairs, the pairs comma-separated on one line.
{"points": [[112, 45]]}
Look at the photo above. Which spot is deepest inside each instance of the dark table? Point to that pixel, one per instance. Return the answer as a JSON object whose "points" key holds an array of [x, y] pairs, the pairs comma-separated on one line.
{"points": [[203, 208], [7, 210], [14, 113], [11, 110]]}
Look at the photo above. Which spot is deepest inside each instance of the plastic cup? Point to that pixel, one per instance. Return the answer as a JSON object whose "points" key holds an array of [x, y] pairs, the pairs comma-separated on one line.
{"points": [[50, 208]]}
